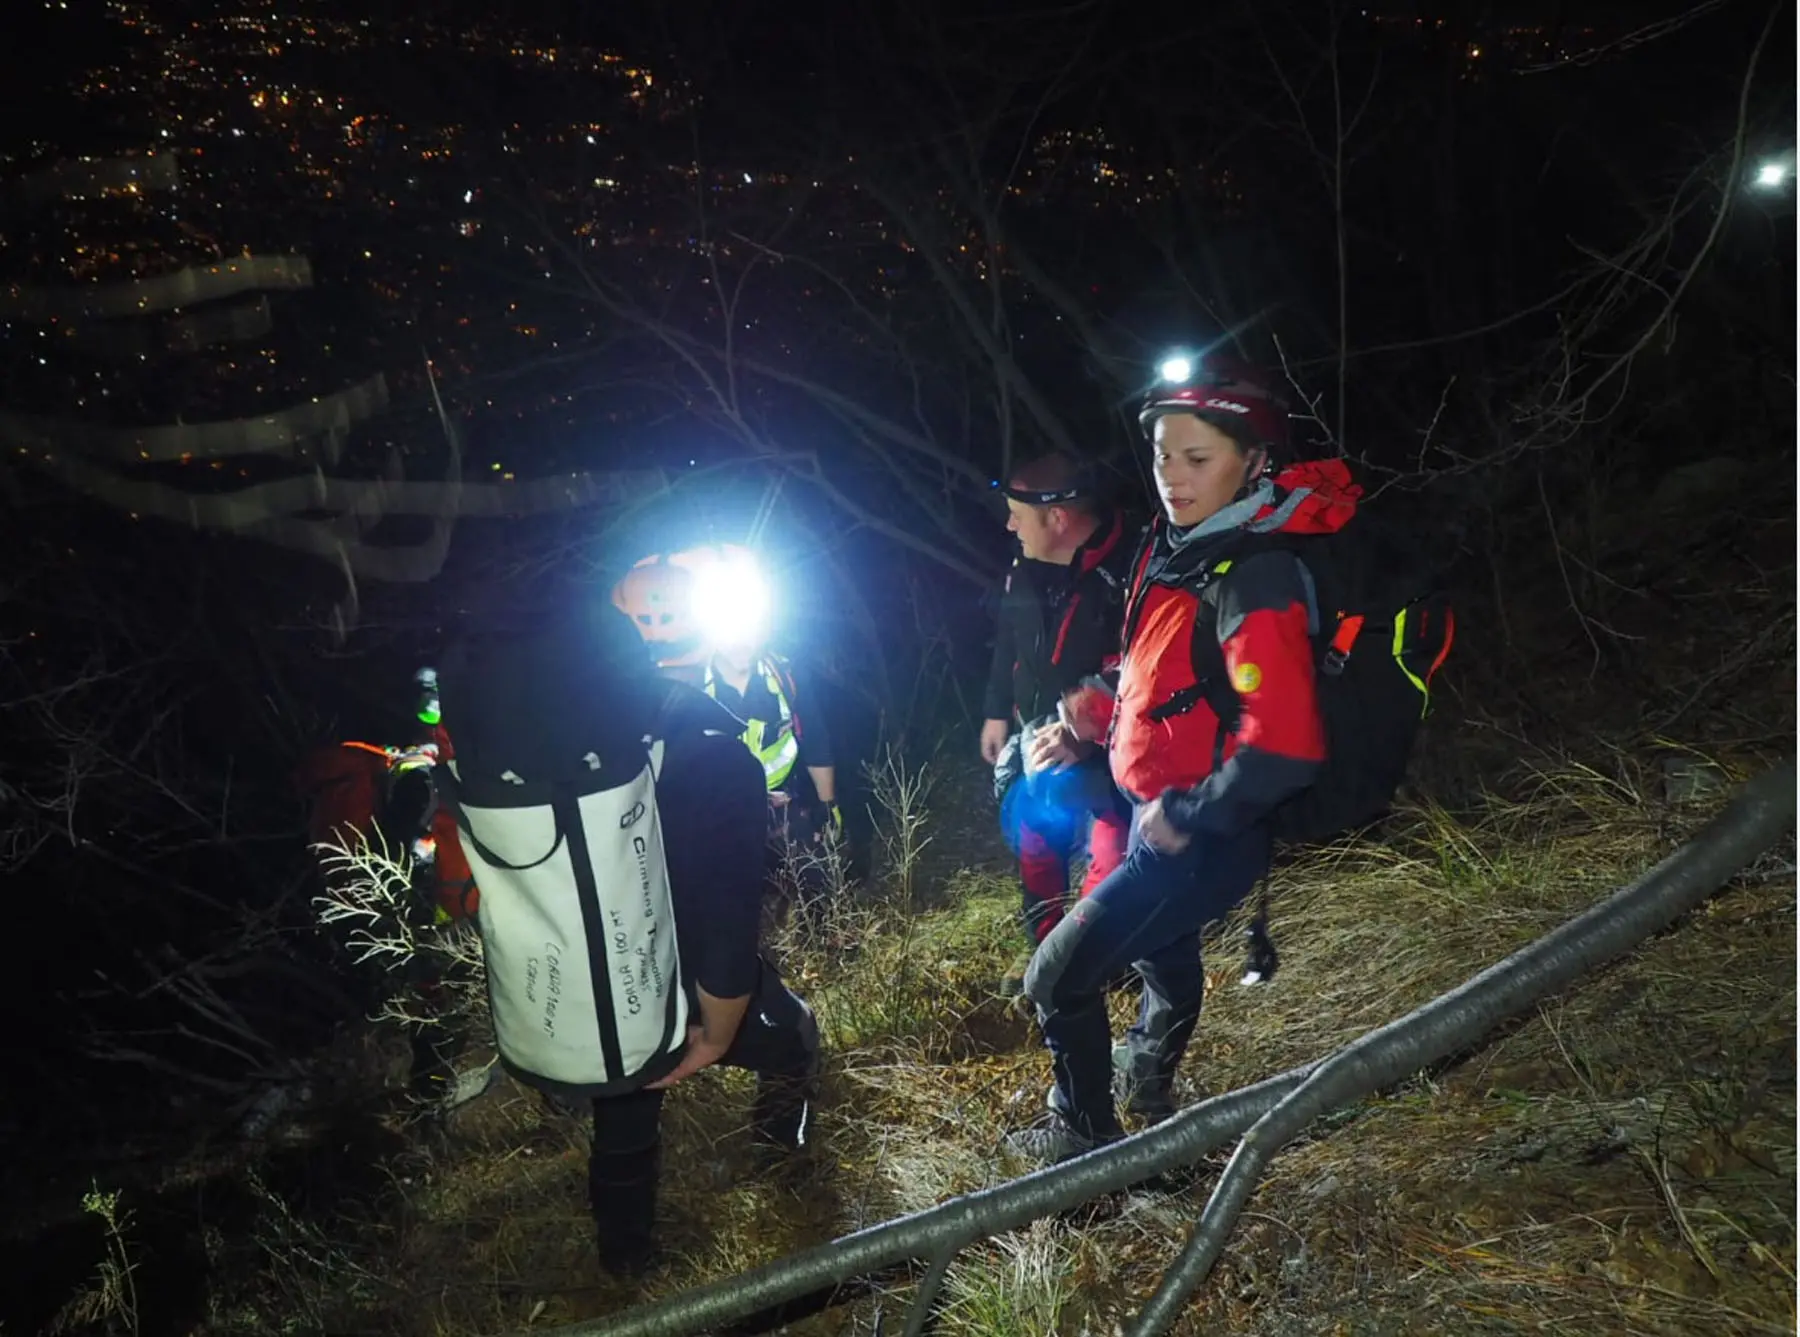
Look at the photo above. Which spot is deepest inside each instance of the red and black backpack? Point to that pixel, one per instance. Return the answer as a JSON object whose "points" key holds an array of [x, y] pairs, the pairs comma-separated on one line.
{"points": [[1382, 627]]}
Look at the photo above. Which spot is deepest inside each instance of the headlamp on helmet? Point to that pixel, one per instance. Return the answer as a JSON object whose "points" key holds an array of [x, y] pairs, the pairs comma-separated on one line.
{"points": [[687, 605], [731, 601], [1176, 369], [1232, 395]]}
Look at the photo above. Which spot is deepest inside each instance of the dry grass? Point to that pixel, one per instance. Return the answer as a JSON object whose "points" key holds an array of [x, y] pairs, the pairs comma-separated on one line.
{"points": [[1621, 1162]]}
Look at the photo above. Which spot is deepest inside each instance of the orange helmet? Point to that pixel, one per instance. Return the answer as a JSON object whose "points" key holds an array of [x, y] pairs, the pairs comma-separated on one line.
{"points": [[658, 596], [673, 600]]}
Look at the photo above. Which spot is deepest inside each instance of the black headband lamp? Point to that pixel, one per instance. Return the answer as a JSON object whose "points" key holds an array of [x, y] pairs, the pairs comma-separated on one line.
{"points": [[1040, 497]]}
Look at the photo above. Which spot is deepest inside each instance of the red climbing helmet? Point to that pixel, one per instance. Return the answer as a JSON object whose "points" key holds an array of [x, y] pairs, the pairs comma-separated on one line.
{"points": [[1234, 396]]}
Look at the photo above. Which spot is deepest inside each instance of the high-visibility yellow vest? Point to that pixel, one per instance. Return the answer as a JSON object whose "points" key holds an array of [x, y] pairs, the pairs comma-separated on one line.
{"points": [[776, 754]]}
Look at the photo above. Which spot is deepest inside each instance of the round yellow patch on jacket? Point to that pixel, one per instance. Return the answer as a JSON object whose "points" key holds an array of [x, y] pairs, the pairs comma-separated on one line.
{"points": [[1246, 678]]}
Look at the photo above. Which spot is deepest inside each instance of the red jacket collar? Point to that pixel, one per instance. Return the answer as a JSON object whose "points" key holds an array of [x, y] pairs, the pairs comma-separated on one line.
{"points": [[1098, 546]]}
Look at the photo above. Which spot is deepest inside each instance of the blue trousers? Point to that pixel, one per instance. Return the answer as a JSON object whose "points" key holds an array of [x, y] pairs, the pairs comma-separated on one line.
{"points": [[1148, 914]]}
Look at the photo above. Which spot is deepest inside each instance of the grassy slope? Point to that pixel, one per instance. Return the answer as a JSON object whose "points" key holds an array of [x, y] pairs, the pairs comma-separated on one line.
{"points": [[1622, 1162]]}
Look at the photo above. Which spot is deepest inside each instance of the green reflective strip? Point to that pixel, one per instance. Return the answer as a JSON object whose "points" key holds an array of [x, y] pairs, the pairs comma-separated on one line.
{"points": [[777, 757], [778, 762], [1400, 659]]}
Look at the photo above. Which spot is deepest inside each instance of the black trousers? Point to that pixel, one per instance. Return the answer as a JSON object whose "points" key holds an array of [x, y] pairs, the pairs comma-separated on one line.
{"points": [[778, 1040], [1148, 914]]}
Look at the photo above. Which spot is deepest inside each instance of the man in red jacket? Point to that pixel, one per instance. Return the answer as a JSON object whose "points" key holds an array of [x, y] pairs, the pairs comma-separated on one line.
{"points": [[1202, 787]]}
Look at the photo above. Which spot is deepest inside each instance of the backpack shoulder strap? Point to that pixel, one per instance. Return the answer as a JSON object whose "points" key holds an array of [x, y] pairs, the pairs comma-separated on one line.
{"points": [[786, 695], [1137, 584], [1212, 683], [684, 710]]}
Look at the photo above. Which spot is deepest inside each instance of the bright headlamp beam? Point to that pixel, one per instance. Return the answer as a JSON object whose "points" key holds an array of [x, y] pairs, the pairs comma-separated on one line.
{"points": [[1175, 370], [1771, 174], [731, 604]]}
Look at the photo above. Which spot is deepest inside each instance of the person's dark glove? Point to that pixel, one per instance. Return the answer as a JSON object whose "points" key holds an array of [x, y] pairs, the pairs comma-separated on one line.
{"points": [[824, 821]]}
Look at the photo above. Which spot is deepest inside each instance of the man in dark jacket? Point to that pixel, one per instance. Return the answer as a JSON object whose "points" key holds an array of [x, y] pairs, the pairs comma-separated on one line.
{"points": [[786, 732], [714, 811], [705, 612], [1060, 614], [593, 684]]}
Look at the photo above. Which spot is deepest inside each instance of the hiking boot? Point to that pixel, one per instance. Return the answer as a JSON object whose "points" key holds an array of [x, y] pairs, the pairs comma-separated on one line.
{"points": [[781, 1116], [1146, 1099], [1052, 1142], [1150, 1101], [629, 1259]]}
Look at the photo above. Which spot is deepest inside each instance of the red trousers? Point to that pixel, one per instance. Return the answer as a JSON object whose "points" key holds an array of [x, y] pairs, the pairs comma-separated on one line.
{"points": [[1045, 847]]}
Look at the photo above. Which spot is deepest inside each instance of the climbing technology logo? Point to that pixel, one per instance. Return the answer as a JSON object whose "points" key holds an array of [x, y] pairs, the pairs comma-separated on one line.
{"points": [[1229, 405], [1246, 678]]}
